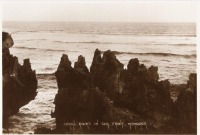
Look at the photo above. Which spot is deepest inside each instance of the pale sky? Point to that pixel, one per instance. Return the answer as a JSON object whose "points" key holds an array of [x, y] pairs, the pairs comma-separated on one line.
{"points": [[162, 11]]}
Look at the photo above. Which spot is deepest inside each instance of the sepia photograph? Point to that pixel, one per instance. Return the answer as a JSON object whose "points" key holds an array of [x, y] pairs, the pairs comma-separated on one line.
{"points": [[99, 67]]}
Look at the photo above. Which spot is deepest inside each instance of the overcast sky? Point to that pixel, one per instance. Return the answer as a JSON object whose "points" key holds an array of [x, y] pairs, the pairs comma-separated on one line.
{"points": [[100, 11]]}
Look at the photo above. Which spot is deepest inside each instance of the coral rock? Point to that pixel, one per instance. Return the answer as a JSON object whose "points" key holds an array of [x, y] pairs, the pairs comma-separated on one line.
{"points": [[105, 72], [19, 85]]}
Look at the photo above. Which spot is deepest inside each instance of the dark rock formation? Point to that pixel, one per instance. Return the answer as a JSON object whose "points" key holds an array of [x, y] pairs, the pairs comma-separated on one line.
{"points": [[75, 100], [73, 105], [7, 40], [19, 85], [105, 72], [187, 107], [144, 94], [68, 77], [80, 100], [109, 90]]}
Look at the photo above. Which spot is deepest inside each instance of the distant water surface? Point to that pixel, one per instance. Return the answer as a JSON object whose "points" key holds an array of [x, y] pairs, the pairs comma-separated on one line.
{"points": [[170, 46]]}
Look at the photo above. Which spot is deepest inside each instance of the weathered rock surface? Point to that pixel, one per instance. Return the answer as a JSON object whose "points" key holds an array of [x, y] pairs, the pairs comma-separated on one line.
{"points": [[19, 84], [79, 100], [71, 83], [187, 107], [7, 40], [105, 72], [144, 94], [109, 88], [75, 78]]}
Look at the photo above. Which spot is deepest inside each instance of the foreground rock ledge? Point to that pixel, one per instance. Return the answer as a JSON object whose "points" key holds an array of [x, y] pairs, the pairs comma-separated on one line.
{"points": [[111, 93], [19, 85]]}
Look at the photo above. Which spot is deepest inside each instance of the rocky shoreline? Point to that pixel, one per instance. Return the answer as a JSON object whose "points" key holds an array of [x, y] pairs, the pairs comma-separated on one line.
{"points": [[107, 98], [109, 92]]}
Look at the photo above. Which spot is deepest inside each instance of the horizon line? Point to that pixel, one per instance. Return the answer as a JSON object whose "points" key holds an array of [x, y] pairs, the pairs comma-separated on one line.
{"points": [[101, 21]]}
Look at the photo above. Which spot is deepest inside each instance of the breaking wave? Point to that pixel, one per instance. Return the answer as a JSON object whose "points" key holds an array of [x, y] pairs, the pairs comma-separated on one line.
{"points": [[156, 54], [43, 49], [25, 31], [23, 47], [131, 43], [87, 42]]}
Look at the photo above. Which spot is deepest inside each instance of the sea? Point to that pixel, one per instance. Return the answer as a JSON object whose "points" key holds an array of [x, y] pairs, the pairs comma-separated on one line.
{"points": [[169, 46]]}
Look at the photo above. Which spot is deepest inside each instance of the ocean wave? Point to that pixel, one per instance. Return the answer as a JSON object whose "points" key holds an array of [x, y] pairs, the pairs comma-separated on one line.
{"points": [[23, 47], [48, 68], [125, 43], [183, 44], [42, 74], [25, 31], [166, 60], [101, 42], [173, 35], [87, 42], [54, 50], [46, 76], [33, 40], [175, 44], [156, 54], [131, 33], [43, 49]]}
